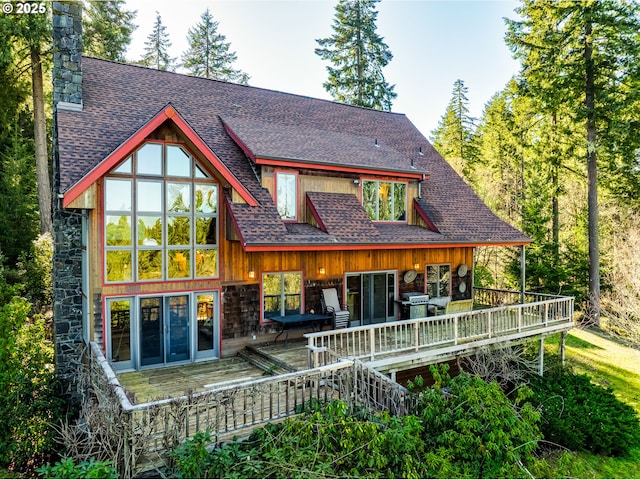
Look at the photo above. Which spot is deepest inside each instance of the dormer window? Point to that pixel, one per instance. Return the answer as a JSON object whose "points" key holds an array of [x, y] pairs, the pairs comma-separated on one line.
{"points": [[287, 194], [385, 201]]}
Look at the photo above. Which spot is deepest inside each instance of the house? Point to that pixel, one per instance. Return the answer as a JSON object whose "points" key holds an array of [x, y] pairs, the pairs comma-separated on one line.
{"points": [[189, 211], [193, 217]]}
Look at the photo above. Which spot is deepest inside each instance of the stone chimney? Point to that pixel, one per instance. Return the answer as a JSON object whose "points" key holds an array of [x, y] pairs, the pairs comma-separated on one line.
{"points": [[67, 55], [70, 338]]}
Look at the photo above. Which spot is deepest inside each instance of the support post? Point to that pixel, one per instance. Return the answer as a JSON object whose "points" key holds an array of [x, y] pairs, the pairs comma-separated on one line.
{"points": [[563, 337], [541, 357], [522, 273]]}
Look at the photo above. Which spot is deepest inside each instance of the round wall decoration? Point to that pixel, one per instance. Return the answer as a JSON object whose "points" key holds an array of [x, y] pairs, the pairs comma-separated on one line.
{"points": [[462, 270], [462, 287], [410, 276]]}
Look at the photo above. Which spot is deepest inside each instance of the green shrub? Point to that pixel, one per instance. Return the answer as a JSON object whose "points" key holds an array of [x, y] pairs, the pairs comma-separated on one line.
{"points": [[27, 380], [472, 430], [67, 468], [582, 416], [332, 441]]}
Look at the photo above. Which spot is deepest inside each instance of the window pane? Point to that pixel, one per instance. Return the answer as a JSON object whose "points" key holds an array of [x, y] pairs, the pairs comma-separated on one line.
{"points": [[206, 263], [118, 266], [206, 231], [286, 195], [292, 290], [444, 280], [370, 198], [432, 281], [399, 201], [118, 230], [149, 265], [149, 196], [178, 197], [384, 201], [149, 231], [117, 195], [150, 159], [205, 322], [178, 162], [206, 198], [179, 263], [124, 167], [272, 291], [200, 173], [120, 321], [178, 230]]}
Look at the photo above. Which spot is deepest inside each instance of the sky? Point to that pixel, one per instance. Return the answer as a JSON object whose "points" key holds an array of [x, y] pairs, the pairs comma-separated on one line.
{"points": [[433, 42]]}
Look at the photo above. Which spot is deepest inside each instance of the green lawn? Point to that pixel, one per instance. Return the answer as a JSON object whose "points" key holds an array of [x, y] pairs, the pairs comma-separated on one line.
{"points": [[609, 363]]}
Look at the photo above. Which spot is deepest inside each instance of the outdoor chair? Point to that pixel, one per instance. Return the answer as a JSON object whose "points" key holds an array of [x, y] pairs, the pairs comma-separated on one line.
{"points": [[331, 306]]}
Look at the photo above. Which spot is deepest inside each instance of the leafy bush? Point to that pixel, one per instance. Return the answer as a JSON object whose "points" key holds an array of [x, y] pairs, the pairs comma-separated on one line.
{"points": [[29, 405], [67, 468], [472, 430], [582, 416], [332, 441], [467, 428], [35, 269]]}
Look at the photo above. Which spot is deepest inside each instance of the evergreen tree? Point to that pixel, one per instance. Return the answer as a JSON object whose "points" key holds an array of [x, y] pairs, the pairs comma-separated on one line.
{"points": [[357, 55], [208, 54], [27, 41], [583, 54], [455, 136], [156, 48], [107, 29]]}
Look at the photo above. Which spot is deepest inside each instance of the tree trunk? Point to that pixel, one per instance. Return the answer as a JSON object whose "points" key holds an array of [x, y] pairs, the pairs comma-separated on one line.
{"points": [[593, 313], [40, 138]]}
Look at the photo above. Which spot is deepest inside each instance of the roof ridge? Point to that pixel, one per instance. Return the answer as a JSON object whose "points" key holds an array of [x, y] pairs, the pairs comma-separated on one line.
{"points": [[151, 69]]}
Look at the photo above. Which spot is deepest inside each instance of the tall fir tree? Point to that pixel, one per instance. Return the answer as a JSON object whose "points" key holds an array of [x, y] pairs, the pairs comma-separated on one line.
{"points": [[108, 27], [156, 48], [585, 55], [28, 40], [357, 55], [209, 53], [454, 138]]}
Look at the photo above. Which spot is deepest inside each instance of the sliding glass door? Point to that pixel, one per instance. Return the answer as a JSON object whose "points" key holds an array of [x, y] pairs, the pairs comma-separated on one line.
{"points": [[370, 297]]}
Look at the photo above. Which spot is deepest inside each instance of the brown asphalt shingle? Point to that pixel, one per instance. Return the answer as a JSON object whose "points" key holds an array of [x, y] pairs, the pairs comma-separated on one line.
{"points": [[120, 99]]}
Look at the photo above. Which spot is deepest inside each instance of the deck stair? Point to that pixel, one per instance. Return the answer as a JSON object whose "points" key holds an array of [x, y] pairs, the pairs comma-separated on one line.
{"points": [[269, 364]]}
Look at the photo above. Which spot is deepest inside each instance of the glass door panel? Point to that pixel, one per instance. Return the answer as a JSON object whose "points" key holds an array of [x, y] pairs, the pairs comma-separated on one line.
{"points": [[119, 315], [379, 297], [354, 297], [151, 331], [177, 337]]}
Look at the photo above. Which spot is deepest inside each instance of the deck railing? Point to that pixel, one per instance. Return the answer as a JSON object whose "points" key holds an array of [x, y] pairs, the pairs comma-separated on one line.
{"points": [[513, 321], [148, 430]]}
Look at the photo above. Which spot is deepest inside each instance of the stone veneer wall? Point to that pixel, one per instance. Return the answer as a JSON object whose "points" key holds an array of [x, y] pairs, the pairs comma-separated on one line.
{"points": [[67, 52], [67, 295], [67, 224]]}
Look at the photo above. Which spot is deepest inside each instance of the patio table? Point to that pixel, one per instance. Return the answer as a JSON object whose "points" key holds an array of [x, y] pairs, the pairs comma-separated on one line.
{"points": [[299, 320]]}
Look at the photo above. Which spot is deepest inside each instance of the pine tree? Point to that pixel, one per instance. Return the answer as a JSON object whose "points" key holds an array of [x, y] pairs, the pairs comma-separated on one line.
{"points": [[357, 55], [107, 29], [585, 55], [455, 138], [156, 48], [209, 53]]}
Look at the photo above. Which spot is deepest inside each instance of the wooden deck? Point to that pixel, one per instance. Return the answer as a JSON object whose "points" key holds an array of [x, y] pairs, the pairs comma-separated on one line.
{"points": [[160, 408], [169, 382]]}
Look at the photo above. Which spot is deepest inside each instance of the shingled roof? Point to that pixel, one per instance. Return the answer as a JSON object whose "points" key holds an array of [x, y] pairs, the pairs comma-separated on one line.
{"points": [[238, 122]]}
